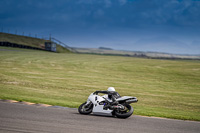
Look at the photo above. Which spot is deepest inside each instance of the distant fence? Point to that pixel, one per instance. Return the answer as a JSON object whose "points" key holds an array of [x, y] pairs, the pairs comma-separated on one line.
{"points": [[28, 34], [8, 44]]}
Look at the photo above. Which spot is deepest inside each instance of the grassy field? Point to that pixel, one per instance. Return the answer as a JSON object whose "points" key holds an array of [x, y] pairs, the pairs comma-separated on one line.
{"points": [[164, 88]]}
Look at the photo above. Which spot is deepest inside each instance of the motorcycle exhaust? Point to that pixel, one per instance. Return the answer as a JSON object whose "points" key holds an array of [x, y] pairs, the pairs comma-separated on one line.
{"points": [[117, 107], [131, 101]]}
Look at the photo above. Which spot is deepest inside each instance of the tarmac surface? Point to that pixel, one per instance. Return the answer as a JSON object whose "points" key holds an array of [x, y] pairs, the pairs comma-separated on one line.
{"points": [[21, 118]]}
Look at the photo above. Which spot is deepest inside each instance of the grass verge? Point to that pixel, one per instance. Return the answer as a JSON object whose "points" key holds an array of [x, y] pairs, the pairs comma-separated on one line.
{"points": [[164, 88]]}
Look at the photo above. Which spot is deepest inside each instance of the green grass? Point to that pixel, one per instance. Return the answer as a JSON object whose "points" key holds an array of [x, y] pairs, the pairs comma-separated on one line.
{"points": [[164, 88]]}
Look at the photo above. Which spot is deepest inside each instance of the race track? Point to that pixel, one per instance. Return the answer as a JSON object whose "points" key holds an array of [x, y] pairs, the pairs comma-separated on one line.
{"points": [[19, 118]]}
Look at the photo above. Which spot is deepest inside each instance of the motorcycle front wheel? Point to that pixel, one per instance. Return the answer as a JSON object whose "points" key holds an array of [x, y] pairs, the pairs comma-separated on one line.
{"points": [[127, 112], [85, 109]]}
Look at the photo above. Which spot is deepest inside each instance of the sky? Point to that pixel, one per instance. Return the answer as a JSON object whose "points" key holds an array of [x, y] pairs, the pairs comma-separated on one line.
{"points": [[170, 26]]}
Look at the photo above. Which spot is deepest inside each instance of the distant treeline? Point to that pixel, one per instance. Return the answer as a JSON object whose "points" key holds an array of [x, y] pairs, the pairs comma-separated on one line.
{"points": [[140, 56], [104, 48]]}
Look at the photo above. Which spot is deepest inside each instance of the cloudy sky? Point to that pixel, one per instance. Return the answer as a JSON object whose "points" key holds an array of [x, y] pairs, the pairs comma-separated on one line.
{"points": [[171, 26]]}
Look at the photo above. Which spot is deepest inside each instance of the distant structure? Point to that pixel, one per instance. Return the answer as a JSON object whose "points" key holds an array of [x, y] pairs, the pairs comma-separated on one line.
{"points": [[50, 46]]}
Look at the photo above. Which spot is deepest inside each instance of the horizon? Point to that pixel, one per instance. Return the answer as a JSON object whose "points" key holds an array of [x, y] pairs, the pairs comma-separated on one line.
{"points": [[135, 25]]}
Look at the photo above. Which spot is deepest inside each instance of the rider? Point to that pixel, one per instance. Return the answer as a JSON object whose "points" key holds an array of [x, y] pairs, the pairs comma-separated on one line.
{"points": [[112, 94]]}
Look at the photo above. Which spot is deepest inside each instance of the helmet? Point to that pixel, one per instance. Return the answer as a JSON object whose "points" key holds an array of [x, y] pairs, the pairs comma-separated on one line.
{"points": [[111, 89]]}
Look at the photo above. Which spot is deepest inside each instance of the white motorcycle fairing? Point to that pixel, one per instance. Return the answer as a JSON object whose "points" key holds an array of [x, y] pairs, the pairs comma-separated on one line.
{"points": [[124, 98], [97, 108]]}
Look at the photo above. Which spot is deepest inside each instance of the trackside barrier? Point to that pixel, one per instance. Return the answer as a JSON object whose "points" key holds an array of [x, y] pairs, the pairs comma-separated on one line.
{"points": [[8, 44]]}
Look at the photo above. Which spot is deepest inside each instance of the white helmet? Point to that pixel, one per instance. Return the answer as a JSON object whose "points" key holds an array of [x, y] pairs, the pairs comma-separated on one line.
{"points": [[111, 89]]}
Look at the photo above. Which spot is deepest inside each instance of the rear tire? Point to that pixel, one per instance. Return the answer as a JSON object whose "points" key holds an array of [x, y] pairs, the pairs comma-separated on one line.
{"points": [[83, 109], [124, 114]]}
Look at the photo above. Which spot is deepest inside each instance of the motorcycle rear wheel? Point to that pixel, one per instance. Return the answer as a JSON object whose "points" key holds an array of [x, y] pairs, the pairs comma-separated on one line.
{"points": [[85, 109], [124, 114]]}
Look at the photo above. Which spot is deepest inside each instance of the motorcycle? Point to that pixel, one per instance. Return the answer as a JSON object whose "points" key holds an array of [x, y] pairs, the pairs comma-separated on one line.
{"points": [[99, 105]]}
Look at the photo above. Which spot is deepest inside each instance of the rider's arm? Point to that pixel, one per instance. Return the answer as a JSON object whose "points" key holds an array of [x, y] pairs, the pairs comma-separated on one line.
{"points": [[113, 98], [114, 95]]}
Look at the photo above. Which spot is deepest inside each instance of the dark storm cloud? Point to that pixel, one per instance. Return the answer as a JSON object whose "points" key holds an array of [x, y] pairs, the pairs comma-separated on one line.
{"points": [[105, 20], [108, 13]]}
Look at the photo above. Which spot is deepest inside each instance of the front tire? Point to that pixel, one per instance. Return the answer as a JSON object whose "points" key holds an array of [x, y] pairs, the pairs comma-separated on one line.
{"points": [[85, 109], [124, 113]]}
